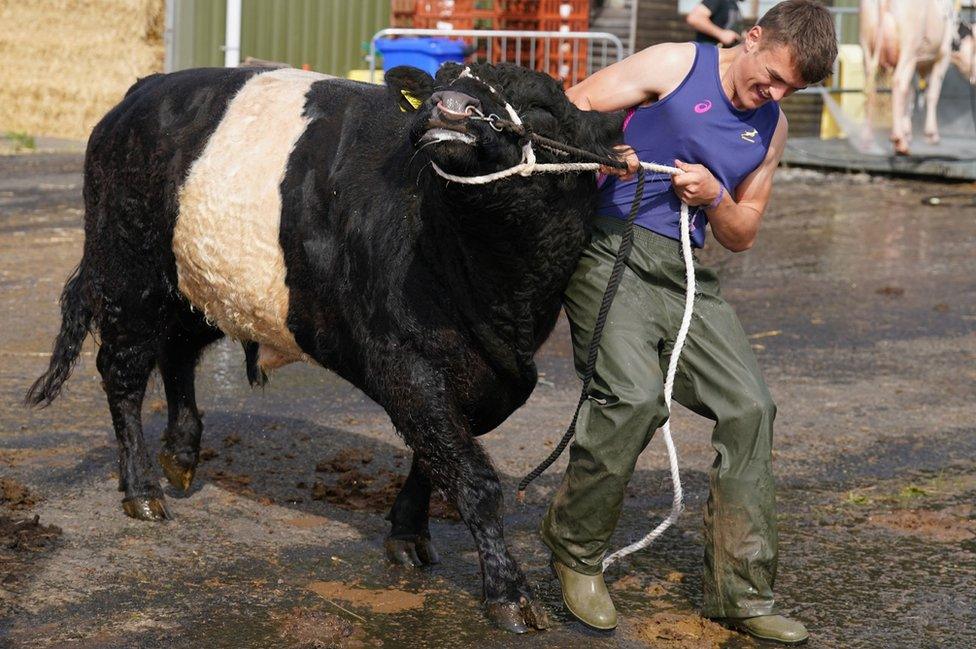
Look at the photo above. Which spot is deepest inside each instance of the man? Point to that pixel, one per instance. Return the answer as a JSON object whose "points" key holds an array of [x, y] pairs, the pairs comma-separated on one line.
{"points": [[716, 22], [714, 113]]}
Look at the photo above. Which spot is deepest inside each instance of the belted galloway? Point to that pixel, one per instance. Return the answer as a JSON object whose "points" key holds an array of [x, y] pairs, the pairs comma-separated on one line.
{"points": [[300, 214]]}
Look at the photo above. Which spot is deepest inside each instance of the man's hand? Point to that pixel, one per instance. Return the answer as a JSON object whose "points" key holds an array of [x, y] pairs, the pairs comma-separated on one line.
{"points": [[696, 186], [624, 153], [729, 37]]}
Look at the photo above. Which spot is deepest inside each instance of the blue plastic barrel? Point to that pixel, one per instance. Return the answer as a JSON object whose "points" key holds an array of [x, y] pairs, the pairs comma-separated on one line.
{"points": [[425, 53]]}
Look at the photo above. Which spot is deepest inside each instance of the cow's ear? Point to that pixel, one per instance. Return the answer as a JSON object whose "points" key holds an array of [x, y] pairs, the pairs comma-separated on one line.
{"points": [[409, 86]]}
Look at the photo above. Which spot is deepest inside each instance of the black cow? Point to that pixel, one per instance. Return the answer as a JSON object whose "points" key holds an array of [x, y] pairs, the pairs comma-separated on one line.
{"points": [[299, 214]]}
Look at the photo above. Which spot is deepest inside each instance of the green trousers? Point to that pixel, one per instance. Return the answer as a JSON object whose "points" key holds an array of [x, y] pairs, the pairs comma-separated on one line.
{"points": [[718, 378]]}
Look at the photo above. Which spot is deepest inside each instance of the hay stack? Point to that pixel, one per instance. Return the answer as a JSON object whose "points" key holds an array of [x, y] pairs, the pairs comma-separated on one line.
{"points": [[64, 63]]}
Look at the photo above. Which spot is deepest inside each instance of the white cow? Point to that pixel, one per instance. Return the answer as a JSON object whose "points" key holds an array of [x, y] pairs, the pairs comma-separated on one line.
{"points": [[906, 35]]}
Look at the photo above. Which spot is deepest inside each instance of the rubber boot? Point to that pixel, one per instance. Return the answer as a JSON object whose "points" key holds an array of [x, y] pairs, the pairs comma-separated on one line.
{"points": [[777, 628], [586, 597]]}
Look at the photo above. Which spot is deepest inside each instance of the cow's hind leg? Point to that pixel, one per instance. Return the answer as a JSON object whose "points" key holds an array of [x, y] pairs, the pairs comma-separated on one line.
{"points": [[409, 541], [188, 334], [125, 360], [933, 90]]}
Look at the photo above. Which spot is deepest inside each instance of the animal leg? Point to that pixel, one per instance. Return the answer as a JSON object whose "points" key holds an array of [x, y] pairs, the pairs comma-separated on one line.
{"points": [[125, 361], [900, 90], [187, 337], [409, 541], [422, 409], [933, 88]]}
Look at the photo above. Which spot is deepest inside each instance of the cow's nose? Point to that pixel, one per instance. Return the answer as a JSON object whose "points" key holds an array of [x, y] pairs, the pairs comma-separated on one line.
{"points": [[454, 105]]}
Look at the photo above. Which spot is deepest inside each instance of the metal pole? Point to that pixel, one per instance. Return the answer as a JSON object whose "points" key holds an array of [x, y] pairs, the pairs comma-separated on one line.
{"points": [[232, 36], [169, 41]]}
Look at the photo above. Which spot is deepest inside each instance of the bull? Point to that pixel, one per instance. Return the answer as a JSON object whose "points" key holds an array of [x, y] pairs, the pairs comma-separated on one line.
{"points": [[299, 214]]}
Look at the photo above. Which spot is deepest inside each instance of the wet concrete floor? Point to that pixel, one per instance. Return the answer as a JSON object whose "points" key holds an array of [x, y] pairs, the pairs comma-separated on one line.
{"points": [[861, 304]]}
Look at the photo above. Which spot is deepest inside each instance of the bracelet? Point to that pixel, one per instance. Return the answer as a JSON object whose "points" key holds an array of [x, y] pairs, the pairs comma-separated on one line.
{"points": [[718, 199]]}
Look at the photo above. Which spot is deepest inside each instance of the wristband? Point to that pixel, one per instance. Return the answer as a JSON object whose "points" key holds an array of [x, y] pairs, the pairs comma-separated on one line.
{"points": [[718, 199]]}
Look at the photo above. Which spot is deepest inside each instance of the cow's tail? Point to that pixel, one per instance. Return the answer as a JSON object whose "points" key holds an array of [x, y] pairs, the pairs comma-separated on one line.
{"points": [[76, 318]]}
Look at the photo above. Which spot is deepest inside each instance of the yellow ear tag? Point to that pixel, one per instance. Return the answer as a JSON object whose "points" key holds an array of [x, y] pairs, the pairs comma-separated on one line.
{"points": [[414, 101]]}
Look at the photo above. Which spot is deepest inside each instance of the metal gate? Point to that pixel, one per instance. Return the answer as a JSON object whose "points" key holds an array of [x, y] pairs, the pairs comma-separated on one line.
{"points": [[568, 56]]}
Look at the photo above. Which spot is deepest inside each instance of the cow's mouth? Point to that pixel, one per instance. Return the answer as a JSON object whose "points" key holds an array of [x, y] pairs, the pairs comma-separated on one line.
{"points": [[441, 131]]}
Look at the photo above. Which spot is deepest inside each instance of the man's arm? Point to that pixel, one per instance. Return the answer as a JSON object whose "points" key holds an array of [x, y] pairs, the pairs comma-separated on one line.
{"points": [[645, 76], [735, 220], [700, 19]]}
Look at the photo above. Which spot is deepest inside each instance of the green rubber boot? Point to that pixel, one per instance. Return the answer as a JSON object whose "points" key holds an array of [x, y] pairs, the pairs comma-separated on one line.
{"points": [[586, 597], [777, 628]]}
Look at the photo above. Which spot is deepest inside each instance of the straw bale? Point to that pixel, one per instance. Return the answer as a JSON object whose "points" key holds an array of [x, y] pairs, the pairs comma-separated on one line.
{"points": [[65, 63]]}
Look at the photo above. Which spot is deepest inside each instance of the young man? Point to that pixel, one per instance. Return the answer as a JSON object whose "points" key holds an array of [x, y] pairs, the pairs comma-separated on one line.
{"points": [[714, 114], [716, 22]]}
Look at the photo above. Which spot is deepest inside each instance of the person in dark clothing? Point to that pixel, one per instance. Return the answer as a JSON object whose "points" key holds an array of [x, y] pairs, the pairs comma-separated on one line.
{"points": [[716, 22]]}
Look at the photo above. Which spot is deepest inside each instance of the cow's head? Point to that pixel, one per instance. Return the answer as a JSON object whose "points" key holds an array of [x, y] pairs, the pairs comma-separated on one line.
{"points": [[964, 51], [443, 108]]}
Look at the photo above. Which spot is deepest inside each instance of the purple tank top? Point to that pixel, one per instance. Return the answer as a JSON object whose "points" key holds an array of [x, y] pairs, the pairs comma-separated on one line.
{"points": [[695, 123]]}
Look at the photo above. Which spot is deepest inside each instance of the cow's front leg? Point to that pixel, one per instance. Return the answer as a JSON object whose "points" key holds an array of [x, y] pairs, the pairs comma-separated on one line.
{"points": [[409, 541], [423, 411]]}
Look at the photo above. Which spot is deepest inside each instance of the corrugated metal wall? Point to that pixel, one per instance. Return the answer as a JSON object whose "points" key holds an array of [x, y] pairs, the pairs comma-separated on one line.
{"points": [[327, 35]]}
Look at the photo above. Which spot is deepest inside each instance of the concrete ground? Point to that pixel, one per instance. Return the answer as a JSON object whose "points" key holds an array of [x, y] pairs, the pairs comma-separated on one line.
{"points": [[861, 305]]}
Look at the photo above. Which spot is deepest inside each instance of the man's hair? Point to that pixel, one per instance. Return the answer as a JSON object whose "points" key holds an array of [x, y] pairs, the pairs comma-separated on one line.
{"points": [[807, 29]]}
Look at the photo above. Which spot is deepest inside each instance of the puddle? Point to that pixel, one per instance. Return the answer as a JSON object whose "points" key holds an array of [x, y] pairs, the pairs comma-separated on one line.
{"points": [[387, 600]]}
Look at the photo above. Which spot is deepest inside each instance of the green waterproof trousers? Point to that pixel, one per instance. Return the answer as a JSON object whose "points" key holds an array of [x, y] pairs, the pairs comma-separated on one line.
{"points": [[718, 378]]}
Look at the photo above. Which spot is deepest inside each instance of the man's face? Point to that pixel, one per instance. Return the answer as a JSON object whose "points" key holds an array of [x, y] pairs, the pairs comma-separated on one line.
{"points": [[765, 72]]}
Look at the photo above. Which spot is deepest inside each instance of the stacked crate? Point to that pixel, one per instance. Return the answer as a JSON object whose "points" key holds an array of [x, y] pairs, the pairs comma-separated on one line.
{"points": [[457, 14], [562, 57], [402, 13], [557, 57]]}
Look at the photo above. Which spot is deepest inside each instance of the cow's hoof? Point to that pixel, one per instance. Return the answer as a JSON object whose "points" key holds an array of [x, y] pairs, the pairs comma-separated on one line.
{"points": [[414, 552], [932, 138], [518, 617], [179, 476], [146, 509]]}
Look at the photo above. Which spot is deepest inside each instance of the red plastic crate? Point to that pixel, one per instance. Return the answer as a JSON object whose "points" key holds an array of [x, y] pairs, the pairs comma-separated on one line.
{"points": [[557, 25], [565, 9]]}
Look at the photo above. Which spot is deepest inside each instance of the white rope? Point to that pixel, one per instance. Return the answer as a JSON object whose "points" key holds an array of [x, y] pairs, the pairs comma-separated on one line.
{"points": [[529, 166], [676, 505]]}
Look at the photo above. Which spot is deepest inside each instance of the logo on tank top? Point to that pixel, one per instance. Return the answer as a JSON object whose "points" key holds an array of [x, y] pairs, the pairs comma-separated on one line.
{"points": [[703, 107], [750, 136]]}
